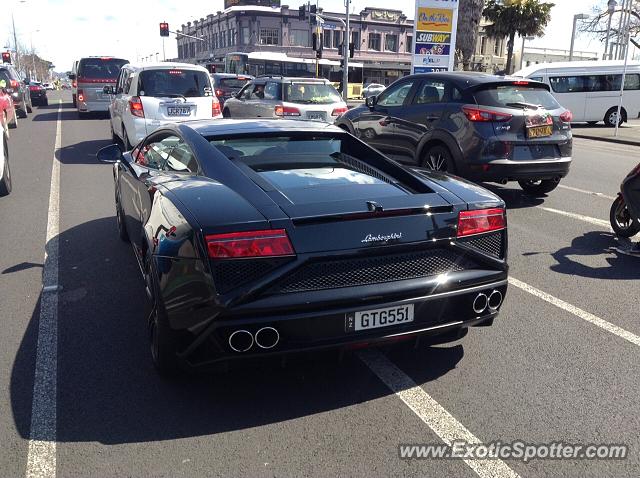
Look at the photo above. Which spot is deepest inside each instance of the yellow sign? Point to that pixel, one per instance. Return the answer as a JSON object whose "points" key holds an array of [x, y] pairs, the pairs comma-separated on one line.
{"points": [[435, 19]]}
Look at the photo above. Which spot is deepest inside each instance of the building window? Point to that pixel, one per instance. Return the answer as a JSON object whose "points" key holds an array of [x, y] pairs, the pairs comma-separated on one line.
{"points": [[246, 35], [408, 47], [229, 37], [483, 45], [374, 41], [391, 42], [269, 36], [299, 37], [337, 38], [355, 39], [326, 38], [496, 46]]}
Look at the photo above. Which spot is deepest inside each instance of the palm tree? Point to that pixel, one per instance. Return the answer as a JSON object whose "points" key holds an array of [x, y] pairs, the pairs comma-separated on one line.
{"points": [[469, 14], [511, 17]]}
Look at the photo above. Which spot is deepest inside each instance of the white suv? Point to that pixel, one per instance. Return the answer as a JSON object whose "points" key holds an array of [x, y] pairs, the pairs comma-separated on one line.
{"points": [[148, 96]]}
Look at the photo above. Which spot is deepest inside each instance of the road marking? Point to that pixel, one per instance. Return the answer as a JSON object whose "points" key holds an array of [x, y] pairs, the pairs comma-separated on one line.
{"points": [[41, 460], [431, 412], [600, 195], [580, 217], [595, 320]]}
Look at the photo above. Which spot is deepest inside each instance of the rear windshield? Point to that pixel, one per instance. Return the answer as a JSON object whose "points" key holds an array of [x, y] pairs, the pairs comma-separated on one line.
{"points": [[516, 96], [311, 93], [175, 82], [232, 83], [295, 162], [100, 68]]}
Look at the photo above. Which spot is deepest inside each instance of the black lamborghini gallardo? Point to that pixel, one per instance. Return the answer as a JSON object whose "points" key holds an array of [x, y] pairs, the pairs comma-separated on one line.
{"points": [[265, 237]]}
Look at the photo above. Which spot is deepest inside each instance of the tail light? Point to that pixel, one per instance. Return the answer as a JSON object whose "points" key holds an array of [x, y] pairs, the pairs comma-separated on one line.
{"points": [[520, 83], [74, 84], [566, 117], [135, 106], [481, 220], [339, 111], [281, 110], [14, 84], [482, 115], [219, 92], [34, 88], [266, 243], [80, 95], [215, 107]]}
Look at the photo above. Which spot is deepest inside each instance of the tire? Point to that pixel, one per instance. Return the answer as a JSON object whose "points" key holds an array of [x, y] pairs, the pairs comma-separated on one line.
{"points": [[125, 140], [13, 124], [592, 123], [30, 108], [74, 102], [621, 221], [5, 182], [21, 113], [438, 158], [163, 341], [610, 117], [369, 133], [122, 226], [539, 187], [45, 102], [226, 113]]}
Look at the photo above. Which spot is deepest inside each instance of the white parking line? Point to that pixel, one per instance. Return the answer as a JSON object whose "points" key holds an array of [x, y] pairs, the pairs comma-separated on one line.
{"points": [[41, 459], [584, 191], [595, 320], [431, 412], [580, 217]]}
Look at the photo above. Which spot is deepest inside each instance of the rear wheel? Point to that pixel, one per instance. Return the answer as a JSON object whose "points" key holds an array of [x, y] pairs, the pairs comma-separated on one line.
{"points": [[621, 221], [125, 140], [122, 227], [226, 113], [369, 133], [5, 182], [74, 101], [539, 187], [29, 108], [438, 158], [611, 117]]}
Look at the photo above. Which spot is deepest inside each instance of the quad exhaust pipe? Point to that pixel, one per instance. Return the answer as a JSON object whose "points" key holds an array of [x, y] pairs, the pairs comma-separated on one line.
{"points": [[242, 340], [482, 302]]}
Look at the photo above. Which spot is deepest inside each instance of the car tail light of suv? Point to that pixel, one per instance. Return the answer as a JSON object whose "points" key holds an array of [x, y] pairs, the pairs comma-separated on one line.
{"points": [[481, 220], [80, 96], [566, 117], [281, 110], [474, 113], [135, 106], [339, 111], [267, 243], [215, 107]]}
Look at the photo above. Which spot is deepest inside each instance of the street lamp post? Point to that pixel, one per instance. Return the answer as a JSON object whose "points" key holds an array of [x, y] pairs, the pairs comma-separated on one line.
{"points": [[576, 17], [611, 7]]}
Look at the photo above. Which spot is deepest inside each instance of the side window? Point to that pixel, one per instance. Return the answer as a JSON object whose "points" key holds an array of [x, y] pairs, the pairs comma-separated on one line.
{"points": [[120, 82], [154, 153], [127, 84], [537, 78], [181, 159], [395, 94], [456, 94], [567, 84], [272, 90], [245, 94], [431, 91], [258, 92]]}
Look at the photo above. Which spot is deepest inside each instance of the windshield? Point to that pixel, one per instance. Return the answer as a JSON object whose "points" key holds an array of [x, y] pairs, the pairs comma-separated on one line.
{"points": [[100, 68], [311, 93], [516, 96], [174, 82]]}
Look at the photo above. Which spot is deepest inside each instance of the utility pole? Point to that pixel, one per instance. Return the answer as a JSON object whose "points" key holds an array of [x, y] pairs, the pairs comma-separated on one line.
{"points": [[345, 53], [15, 42]]}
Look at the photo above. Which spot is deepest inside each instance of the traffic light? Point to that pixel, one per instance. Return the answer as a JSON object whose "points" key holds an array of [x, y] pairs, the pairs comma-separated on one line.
{"points": [[6, 57], [312, 15], [302, 12], [352, 49], [164, 29]]}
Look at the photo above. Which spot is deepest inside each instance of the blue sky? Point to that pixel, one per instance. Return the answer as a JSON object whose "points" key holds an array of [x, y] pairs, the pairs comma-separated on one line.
{"points": [[63, 30]]}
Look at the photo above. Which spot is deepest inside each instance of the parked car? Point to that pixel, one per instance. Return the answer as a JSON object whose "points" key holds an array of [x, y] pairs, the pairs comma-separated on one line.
{"points": [[282, 97], [93, 74], [8, 113], [372, 89], [478, 126], [48, 86], [260, 238], [38, 94], [148, 96], [227, 85], [17, 87], [73, 78], [5, 172]]}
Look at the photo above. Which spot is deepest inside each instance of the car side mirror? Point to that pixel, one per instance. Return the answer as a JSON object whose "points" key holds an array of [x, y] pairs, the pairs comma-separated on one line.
{"points": [[110, 154], [371, 101], [109, 90]]}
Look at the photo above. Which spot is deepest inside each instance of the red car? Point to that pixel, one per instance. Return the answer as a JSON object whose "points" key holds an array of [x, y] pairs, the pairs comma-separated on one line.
{"points": [[8, 116]]}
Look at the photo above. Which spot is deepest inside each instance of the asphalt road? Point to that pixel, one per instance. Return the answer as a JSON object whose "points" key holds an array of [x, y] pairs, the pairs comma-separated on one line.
{"points": [[560, 367]]}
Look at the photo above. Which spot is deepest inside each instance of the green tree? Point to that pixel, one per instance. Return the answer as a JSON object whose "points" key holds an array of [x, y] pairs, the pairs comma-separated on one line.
{"points": [[516, 17], [469, 15]]}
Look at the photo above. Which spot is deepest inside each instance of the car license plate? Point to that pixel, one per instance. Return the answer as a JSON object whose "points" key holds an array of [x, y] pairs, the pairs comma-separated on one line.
{"points": [[539, 131], [372, 319], [315, 115], [178, 111]]}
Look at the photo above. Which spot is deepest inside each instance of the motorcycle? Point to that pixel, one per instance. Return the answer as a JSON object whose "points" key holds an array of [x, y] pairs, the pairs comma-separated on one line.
{"points": [[622, 221]]}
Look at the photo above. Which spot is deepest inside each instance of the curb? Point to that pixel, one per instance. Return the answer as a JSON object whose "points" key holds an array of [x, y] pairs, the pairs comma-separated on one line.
{"points": [[608, 140]]}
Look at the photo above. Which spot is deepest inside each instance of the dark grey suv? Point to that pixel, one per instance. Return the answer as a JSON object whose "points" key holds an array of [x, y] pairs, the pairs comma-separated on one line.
{"points": [[17, 87], [478, 126]]}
